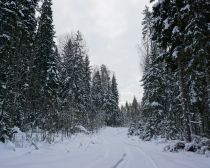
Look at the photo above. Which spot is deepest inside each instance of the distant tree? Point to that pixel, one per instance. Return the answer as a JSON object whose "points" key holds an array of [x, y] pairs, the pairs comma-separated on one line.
{"points": [[116, 113], [107, 94], [87, 89], [97, 115]]}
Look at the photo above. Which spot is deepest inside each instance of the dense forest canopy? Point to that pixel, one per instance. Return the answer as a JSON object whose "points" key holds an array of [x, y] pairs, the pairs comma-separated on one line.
{"points": [[176, 99], [57, 90], [48, 89]]}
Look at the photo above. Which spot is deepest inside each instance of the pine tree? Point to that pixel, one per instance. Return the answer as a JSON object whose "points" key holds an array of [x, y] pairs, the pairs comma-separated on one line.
{"points": [[17, 29], [153, 97], [181, 30], [196, 44], [8, 19], [116, 114], [44, 70], [135, 110], [97, 115], [65, 96], [75, 91], [169, 27], [107, 94], [26, 50], [87, 89]]}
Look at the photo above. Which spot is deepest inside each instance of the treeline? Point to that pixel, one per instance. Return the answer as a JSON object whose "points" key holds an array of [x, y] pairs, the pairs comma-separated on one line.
{"points": [[42, 88], [131, 112], [176, 78]]}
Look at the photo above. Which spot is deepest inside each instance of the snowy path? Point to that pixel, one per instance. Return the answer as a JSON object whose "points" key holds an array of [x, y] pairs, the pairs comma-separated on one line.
{"points": [[111, 148]]}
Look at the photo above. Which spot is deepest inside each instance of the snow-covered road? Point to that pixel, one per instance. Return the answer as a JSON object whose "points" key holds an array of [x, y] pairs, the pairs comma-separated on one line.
{"points": [[110, 148]]}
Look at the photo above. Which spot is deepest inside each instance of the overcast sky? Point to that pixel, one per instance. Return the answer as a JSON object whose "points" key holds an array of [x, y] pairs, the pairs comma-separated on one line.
{"points": [[112, 30]]}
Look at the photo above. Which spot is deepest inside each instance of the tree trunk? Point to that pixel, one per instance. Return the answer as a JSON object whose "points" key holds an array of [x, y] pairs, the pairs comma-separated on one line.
{"points": [[184, 103]]}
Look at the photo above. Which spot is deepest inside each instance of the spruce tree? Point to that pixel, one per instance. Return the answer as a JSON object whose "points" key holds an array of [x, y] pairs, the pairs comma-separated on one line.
{"points": [[169, 27], [17, 29], [75, 91], [44, 70], [196, 44], [116, 113], [153, 97], [87, 89], [107, 94], [97, 115]]}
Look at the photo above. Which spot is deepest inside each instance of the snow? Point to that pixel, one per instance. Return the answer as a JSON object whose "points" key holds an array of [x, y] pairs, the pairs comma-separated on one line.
{"points": [[166, 23], [5, 36], [175, 54], [158, 3], [8, 10], [175, 30], [21, 13], [109, 148], [155, 104], [187, 7], [82, 129]]}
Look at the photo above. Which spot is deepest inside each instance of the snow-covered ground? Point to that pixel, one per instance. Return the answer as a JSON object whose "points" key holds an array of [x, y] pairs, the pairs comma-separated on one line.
{"points": [[110, 148]]}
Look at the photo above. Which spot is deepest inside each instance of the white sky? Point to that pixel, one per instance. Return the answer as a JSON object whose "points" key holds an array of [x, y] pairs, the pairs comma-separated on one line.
{"points": [[112, 30]]}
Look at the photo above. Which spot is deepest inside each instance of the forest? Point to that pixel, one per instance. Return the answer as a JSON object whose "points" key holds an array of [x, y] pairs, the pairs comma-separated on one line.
{"points": [[176, 99], [43, 88], [52, 94]]}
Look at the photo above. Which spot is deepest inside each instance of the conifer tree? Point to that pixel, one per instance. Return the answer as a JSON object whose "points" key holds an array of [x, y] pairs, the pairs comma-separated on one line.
{"points": [[153, 98], [169, 33], [107, 94], [196, 44], [116, 113], [87, 88], [17, 31], [97, 115], [44, 70], [75, 77], [181, 31]]}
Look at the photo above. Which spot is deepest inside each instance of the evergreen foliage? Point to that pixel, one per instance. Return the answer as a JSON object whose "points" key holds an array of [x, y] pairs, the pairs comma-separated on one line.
{"points": [[44, 89], [175, 102]]}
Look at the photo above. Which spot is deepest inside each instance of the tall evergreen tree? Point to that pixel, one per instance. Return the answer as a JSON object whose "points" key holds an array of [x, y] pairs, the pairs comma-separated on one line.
{"points": [[66, 99], [196, 44], [181, 31], [44, 70], [153, 98], [169, 33], [97, 115], [107, 94], [76, 80], [87, 88], [16, 40], [116, 113]]}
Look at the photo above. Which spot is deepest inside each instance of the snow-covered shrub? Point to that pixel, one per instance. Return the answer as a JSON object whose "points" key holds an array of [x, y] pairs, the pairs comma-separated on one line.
{"points": [[132, 129], [191, 147], [135, 129], [207, 153], [202, 150], [202, 144], [175, 147], [199, 145], [81, 129], [19, 138]]}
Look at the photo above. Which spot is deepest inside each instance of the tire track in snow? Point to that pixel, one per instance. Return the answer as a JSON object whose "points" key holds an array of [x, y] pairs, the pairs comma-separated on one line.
{"points": [[101, 159], [119, 161], [154, 165]]}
